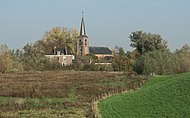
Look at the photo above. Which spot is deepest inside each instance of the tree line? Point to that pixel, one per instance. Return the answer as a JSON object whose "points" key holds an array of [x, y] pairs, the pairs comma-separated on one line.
{"points": [[150, 55]]}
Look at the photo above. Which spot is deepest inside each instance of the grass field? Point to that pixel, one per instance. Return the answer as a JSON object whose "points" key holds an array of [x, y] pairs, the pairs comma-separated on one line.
{"points": [[160, 97], [56, 94]]}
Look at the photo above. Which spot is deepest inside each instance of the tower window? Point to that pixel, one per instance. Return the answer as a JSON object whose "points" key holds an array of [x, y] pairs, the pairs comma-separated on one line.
{"points": [[80, 42], [85, 42], [80, 48]]}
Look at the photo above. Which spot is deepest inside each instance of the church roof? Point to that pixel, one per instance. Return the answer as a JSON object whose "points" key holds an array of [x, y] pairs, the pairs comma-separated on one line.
{"points": [[82, 28], [99, 50]]}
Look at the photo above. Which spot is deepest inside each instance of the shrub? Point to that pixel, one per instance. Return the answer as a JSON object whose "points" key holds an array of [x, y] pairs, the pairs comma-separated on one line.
{"points": [[90, 67], [106, 67]]}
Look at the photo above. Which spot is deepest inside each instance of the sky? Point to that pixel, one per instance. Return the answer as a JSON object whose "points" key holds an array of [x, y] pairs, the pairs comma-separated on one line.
{"points": [[108, 22]]}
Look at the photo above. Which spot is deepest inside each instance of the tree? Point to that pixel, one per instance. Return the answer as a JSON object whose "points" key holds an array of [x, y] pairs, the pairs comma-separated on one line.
{"points": [[17, 60], [120, 61], [121, 52], [158, 62], [163, 62], [33, 58], [182, 59], [5, 59], [60, 38], [144, 42]]}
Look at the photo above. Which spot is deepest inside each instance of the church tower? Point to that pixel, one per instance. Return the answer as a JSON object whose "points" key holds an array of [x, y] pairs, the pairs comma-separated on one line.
{"points": [[82, 41]]}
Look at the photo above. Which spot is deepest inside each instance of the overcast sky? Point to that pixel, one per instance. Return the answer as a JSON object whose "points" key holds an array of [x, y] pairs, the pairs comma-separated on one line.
{"points": [[108, 22]]}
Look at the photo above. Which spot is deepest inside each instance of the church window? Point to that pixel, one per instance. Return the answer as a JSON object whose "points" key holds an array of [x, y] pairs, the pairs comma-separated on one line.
{"points": [[85, 42], [80, 42], [81, 49]]}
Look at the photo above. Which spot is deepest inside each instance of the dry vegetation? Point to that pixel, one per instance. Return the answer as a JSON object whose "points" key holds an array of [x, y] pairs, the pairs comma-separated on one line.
{"points": [[57, 93]]}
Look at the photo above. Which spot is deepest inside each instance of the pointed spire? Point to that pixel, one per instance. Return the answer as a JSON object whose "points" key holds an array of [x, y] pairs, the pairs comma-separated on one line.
{"points": [[82, 28]]}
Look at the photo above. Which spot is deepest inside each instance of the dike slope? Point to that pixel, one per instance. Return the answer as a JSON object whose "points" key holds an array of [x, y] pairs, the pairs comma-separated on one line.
{"points": [[161, 96]]}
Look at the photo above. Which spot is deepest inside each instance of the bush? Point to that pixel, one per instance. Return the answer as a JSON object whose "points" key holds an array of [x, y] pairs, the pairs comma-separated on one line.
{"points": [[106, 67], [90, 67]]}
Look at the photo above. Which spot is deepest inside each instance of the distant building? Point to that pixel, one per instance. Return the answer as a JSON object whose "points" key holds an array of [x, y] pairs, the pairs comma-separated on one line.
{"points": [[101, 52], [83, 47], [64, 60], [60, 54]]}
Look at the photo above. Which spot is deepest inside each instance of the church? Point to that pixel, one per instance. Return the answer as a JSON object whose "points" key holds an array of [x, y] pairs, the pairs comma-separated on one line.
{"points": [[83, 47]]}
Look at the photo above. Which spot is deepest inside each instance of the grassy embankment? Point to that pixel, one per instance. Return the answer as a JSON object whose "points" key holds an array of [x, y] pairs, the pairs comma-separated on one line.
{"points": [[160, 97], [56, 93]]}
